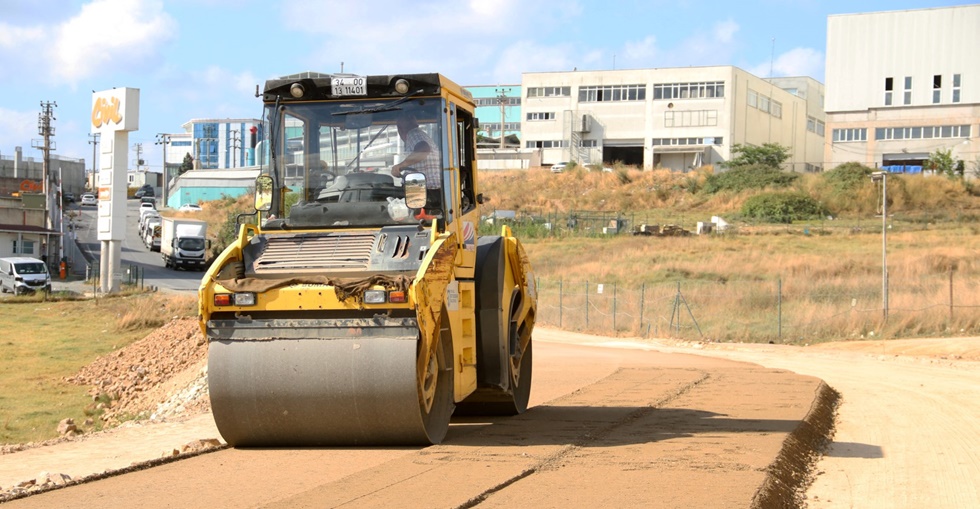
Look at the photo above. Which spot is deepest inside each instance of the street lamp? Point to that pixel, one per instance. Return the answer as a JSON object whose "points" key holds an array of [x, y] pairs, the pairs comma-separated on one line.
{"points": [[881, 177]]}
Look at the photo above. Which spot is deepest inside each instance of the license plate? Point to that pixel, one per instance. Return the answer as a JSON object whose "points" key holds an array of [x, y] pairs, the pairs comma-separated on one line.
{"points": [[349, 85]]}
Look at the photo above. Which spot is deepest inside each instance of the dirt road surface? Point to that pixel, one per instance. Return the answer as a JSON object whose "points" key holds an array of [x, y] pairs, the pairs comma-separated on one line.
{"points": [[608, 427], [640, 424], [908, 431]]}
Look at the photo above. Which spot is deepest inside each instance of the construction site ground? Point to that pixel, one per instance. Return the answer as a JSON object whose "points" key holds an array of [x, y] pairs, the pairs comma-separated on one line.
{"points": [[614, 422]]}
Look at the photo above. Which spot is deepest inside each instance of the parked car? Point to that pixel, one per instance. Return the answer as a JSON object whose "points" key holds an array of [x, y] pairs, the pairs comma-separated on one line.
{"points": [[89, 199], [145, 191], [189, 207], [68, 197], [559, 167]]}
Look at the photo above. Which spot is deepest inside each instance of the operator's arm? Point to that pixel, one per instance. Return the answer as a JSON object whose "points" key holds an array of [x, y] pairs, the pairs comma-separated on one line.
{"points": [[418, 154]]}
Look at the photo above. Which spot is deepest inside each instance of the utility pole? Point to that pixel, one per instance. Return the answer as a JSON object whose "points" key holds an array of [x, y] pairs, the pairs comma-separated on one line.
{"points": [[164, 139], [46, 130], [881, 177], [95, 143], [502, 100], [139, 155]]}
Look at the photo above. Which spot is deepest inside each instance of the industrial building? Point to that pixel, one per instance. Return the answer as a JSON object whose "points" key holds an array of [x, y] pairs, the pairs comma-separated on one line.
{"points": [[901, 85], [676, 118]]}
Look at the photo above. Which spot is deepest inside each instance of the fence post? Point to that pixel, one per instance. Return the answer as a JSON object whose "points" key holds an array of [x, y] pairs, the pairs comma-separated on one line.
{"points": [[586, 303], [643, 287], [779, 308], [614, 307], [951, 298], [560, 308]]}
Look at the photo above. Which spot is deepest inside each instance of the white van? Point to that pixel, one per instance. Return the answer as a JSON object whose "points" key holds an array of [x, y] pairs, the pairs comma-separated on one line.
{"points": [[23, 275]]}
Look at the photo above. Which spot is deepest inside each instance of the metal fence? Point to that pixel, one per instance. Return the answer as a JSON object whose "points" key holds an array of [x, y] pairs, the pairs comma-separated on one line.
{"points": [[776, 310]]}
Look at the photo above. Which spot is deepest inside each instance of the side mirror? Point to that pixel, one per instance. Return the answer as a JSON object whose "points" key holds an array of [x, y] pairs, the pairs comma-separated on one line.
{"points": [[415, 190], [263, 193]]}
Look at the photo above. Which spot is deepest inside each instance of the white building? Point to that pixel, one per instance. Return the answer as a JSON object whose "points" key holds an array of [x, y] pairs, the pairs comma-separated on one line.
{"points": [[901, 85], [677, 118]]}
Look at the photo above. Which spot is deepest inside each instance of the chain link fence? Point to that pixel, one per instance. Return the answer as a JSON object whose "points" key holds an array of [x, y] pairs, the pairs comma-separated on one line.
{"points": [[778, 311]]}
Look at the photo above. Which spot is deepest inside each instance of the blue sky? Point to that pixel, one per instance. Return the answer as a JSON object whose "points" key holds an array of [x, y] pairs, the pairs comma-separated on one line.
{"points": [[203, 58]]}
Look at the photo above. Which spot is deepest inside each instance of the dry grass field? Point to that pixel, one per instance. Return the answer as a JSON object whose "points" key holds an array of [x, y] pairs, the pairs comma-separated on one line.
{"points": [[805, 282]]}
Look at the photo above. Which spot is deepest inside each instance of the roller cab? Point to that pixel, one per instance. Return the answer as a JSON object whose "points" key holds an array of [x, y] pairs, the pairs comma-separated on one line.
{"points": [[359, 307]]}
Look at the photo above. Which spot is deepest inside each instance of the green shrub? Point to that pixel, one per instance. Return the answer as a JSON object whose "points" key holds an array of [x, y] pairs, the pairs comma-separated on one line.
{"points": [[746, 178], [782, 207], [848, 177]]}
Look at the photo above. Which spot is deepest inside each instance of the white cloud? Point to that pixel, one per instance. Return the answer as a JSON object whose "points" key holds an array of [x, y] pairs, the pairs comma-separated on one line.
{"points": [[122, 34], [800, 62], [795, 62], [707, 46], [724, 32], [641, 53], [461, 40], [16, 127], [529, 56]]}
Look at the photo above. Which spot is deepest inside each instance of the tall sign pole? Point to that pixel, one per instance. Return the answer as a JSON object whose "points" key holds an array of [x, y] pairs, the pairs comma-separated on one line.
{"points": [[114, 114]]}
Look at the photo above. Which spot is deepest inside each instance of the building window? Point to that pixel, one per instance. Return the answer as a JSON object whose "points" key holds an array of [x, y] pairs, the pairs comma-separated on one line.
{"points": [[612, 93], [888, 91], [541, 115], [753, 99], [852, 134], [907, 97], [777, 109], [549, 92], [495, 101], [937, 88], [588, 143], [701, 90], [25, 247], [956, 88], [815, 125], [696, 118], [546, 144], [922, 132], [495, 126], [664, 142]]}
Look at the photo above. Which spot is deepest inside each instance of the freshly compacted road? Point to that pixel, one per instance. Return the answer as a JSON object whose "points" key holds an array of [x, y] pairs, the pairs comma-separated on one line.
{"points": [[607, 427]]}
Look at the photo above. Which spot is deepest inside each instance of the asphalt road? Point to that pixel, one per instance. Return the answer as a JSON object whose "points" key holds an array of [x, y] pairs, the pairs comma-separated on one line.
{"points": [[134, 253]]}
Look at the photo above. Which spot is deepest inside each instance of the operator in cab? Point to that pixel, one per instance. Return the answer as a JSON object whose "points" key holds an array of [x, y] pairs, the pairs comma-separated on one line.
{"points": [[423, 156]]}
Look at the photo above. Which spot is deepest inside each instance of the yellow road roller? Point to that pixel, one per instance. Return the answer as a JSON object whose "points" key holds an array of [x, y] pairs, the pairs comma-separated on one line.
{"points": [[358, 305]]}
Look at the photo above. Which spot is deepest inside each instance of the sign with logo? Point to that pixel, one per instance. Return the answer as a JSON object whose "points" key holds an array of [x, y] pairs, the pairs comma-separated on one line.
{"points": [[116, 110], [114, 114]]}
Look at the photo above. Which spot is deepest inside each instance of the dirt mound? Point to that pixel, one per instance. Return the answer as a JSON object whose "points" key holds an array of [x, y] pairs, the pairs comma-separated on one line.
{"points": [[160, 376]]}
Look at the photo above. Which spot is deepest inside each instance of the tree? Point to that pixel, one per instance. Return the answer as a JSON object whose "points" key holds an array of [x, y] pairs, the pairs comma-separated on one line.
{"points": [[187, 165], [942, 162], [772, 155]]}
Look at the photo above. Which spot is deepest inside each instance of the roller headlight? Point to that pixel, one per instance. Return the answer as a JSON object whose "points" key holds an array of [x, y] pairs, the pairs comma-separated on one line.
{"points": [[375, 297]]}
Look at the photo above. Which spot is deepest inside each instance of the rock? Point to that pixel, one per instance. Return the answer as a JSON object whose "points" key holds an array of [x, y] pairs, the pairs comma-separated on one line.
{"points": [[45, 479], [200, 445], [66, 426]]}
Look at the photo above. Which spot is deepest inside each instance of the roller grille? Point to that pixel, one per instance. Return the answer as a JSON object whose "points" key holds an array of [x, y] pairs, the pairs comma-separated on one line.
{"points": [[349, 251]]}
